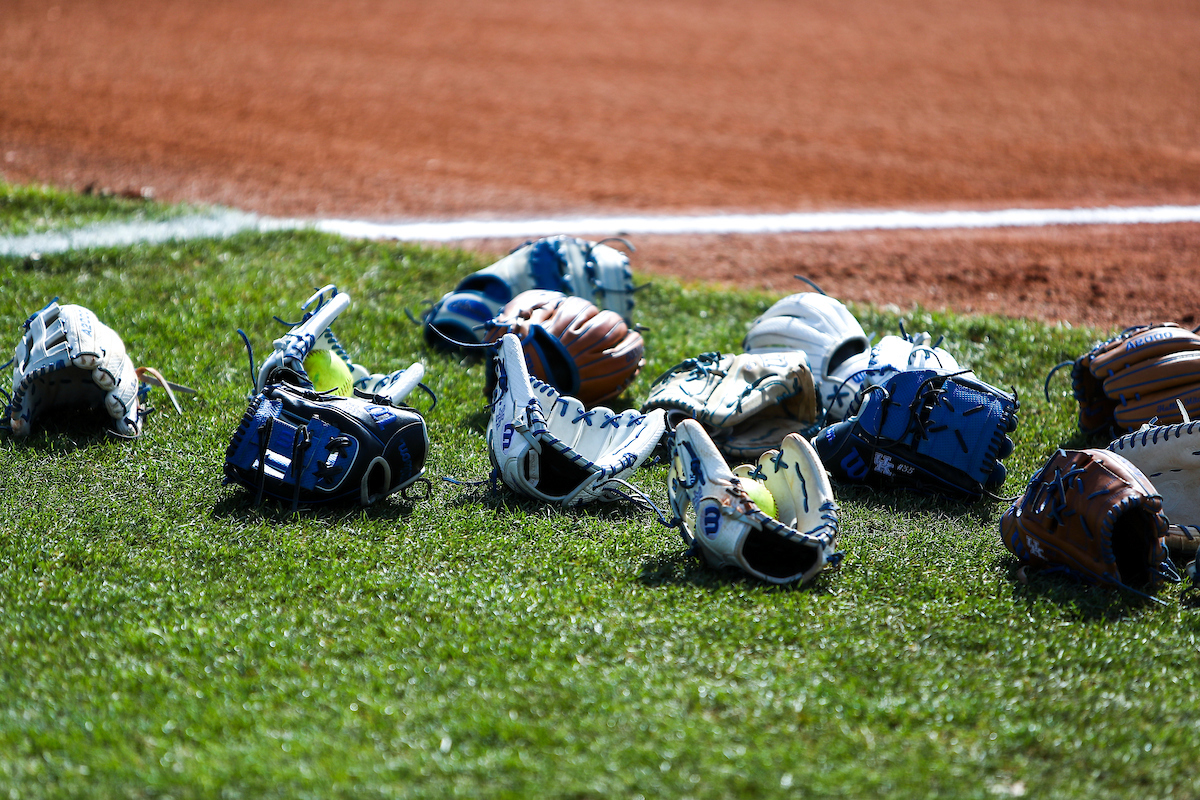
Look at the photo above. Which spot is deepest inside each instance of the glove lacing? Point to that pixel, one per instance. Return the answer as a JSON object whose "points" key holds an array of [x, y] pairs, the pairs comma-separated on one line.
{"points": [[300, 443], [737, 493], [4, 424], [1055, 502], [264, 446], [698, 368]]}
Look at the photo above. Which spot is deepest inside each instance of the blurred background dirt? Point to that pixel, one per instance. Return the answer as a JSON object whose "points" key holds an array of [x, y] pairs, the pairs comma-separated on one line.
{"points": [[416, 110]]}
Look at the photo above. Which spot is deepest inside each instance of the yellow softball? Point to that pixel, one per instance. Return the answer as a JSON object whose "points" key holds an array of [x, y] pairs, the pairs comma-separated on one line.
{"points": [[328, 371], [761, 496]]}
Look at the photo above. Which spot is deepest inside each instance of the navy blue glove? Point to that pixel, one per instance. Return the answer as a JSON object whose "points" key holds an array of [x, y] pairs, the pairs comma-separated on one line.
{"points": [[930, 431], [307, 447]]}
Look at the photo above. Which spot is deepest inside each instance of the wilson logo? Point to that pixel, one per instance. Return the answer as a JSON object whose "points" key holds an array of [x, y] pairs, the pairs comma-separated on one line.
{"points": [[382, 416], [712, 521], [854, 465], [508, 434], [406, 457]]}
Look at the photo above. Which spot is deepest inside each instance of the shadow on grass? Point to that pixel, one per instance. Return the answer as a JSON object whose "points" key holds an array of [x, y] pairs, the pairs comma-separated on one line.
{"points": [[239, 506], [495, 496], [478, 420], [1190, 599], [1089, 441], [482, 493], [900, 502], [71, 430], [1078, 600], [681, 568], [71, 263]]}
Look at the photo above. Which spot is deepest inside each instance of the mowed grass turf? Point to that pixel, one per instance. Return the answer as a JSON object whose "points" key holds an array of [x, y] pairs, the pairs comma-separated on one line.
{"points": [[34, 209], [162, 637]]}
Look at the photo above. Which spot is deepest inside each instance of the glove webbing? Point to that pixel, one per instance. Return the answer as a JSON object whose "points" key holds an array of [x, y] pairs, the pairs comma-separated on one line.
{"points": [[264, 446], [1056, 496], [699, 367], [300, 442]]}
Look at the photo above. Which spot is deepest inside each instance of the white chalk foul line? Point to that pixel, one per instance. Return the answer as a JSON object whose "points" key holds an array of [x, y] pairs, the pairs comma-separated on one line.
{"points": [[222, 224], [217, 225], [763, 223]]}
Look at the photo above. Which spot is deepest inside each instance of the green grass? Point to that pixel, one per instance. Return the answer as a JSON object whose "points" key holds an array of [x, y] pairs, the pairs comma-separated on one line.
{"points": [[36, 209], [162, 638]]}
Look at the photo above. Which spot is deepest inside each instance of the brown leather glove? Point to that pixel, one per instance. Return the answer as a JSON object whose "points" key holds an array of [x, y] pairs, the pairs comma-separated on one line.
{"points": [[571, 344], [1137, 376], [1093, 515]]}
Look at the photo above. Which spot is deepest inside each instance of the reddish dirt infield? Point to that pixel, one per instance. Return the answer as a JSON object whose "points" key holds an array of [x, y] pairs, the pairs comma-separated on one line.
{"points": [[405, 109]]}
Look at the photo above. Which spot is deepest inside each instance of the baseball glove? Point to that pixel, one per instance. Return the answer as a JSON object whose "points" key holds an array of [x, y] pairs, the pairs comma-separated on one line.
{"points": [[570, 344], [890, 355], [747, 403], [1093, 515], [293, 354], [1136, 377], [574, 267], [547, 446], [301, 446], [1169, 456], [68, 359], [717, 517], [925, 430], [820, 326]]}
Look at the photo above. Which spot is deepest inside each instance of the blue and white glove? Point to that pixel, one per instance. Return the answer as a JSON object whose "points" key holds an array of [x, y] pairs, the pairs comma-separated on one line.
{"points": [[293, 349], [576, 267], [718, 518], [548, 446], [926, 430], [68, 359]]}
